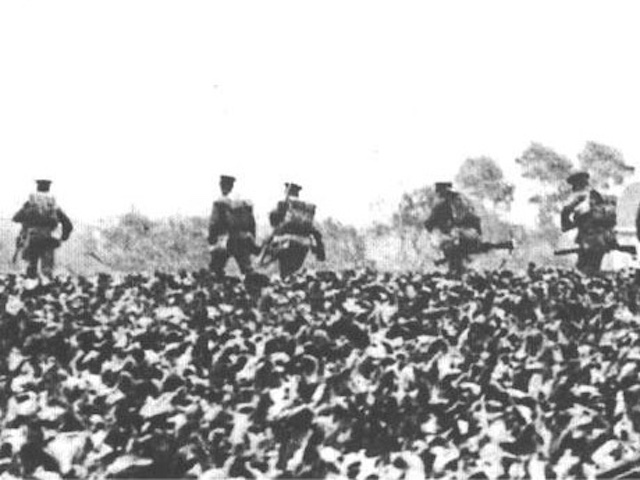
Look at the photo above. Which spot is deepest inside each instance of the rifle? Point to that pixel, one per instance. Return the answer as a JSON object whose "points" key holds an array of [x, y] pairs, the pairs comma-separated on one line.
{"points": [[269, 240], [630, 249], [488, 246], [21, 240], [484, 247], [263, 251]]}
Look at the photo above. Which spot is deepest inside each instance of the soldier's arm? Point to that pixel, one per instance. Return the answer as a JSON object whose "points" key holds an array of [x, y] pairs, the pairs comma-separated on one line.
{"points": [[67, 226], [216, 222], [566, 218], [211, 237], [253, 227], [21, 215], [276, 216], [429, 223], [596, 197], [436, 217]]}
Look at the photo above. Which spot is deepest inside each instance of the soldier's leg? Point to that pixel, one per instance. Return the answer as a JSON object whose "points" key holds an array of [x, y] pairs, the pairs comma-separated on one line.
{"points": [[596, 261], [582, 261], [291, 260], [241, 249], [318, 250], [455, 261], [453, 255], [590, 261], [32, 265], [47, 262], [219, 258], [243, 259]]}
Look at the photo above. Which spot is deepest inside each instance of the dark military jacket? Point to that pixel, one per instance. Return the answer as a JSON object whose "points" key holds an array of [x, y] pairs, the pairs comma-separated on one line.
{"points": [[579, 214], [218, 221], [43, 226], [452, 212]]}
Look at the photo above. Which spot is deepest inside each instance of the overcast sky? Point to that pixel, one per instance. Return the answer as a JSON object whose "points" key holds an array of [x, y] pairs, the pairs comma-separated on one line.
{"points": [[145, 103]]}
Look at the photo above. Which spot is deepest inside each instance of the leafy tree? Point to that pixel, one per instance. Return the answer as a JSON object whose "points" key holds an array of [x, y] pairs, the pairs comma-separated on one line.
{"points": [[605, 164], [544, 164], [550, 170], [408, 221], [414, 208], [482, 178]]}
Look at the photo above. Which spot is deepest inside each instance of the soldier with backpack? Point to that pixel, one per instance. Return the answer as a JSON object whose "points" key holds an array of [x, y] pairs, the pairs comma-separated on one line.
{"points": [[40, 217], [454, 216], [232, 230], [594, 216], [294, 233]]}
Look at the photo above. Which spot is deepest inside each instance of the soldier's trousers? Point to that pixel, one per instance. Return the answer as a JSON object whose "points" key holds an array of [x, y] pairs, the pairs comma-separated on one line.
{"points": [[219, 259], [456, 262], [238, 248], [43, 258], [290, 260], [590, 261]]}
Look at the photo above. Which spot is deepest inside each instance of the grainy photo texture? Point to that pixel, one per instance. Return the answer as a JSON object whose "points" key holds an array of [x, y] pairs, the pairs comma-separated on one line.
{"points": [[359, 240]]}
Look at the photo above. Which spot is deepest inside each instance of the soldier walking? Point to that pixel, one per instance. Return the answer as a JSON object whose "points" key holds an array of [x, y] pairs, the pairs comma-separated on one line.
{"points": [[294, 233], [594, 218], [454, 217], [232, 230], [40, 217]]}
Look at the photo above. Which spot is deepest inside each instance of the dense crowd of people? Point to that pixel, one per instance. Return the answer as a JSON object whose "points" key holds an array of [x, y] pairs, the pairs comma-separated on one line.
{"points": [[332, 374]]}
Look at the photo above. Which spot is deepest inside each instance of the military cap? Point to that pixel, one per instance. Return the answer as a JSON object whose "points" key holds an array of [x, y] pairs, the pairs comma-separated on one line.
{"points": [[293, 187], [577, 178], [43, 185], [443, 186], [227, 179]]}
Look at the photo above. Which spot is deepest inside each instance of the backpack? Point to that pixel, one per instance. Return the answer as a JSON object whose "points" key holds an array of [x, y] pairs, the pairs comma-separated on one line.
{"points": [[299, 214], [41, 210], [463, 212], [240, 216], [603, 213]]}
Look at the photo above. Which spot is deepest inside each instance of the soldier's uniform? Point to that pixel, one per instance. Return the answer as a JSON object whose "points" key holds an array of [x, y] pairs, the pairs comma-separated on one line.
{"points": [[291, 241], [459, 226], [40, 217], [232, 231], [587, 211]]}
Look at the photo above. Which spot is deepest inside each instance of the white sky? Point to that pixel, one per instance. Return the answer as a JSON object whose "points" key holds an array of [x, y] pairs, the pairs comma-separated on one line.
{"points": [[145, 103]]}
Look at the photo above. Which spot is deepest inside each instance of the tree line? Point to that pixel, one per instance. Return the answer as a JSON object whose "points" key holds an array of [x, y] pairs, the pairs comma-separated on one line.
{"points": [[483, 180]]}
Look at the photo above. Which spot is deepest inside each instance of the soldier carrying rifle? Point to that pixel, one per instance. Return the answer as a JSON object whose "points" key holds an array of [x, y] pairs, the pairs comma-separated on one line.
{"points": [[594, 216], [294, 233], [40, 216], [460, 229]]}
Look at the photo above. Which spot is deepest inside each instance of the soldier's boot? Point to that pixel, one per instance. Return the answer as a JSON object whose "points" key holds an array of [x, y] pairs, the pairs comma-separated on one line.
{"points": [[319, 252]]}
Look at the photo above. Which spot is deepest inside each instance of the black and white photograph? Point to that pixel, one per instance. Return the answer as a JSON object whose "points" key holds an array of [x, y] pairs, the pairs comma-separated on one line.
{"points": [[361, 240]]}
